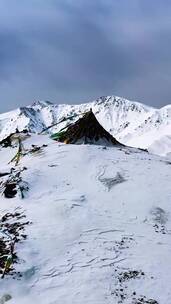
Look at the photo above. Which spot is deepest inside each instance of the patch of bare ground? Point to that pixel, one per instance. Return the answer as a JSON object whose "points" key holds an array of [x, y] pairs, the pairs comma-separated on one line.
{"points": [[12, 231]]}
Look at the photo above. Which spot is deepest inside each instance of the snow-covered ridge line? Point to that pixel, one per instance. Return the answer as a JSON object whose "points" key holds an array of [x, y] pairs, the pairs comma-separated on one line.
{"points": [[132, 123]]}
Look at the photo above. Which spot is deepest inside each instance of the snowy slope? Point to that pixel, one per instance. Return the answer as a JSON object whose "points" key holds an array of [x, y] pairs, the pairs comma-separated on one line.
{"points": [[101, 226], [132, 123]]}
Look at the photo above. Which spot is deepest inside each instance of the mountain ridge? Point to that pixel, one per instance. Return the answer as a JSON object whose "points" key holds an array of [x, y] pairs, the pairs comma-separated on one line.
{"points": [[131, 122]]}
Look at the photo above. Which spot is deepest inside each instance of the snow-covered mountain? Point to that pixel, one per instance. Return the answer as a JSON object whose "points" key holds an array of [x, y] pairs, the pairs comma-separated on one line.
{"points": [[85, 219], [97, 224], [131, 123]]}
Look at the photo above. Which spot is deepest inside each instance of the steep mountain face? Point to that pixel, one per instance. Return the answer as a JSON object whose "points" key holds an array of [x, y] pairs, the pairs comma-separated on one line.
{"points": [[132, 123]]}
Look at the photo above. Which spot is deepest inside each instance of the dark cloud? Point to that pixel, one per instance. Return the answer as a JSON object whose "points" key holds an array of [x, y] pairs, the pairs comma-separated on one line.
{"points": [[74, 51]]}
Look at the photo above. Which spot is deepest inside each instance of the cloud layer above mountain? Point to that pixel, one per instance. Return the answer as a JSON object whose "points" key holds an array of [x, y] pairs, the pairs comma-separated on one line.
{"points": [[74, 51]]}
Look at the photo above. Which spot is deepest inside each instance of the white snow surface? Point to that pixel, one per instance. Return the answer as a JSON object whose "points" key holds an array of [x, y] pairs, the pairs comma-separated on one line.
{"points": [[132, 123], [94, 212]]}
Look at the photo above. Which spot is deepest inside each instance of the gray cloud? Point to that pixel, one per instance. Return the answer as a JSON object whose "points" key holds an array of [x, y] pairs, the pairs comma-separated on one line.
{"points": [[74, 51]]}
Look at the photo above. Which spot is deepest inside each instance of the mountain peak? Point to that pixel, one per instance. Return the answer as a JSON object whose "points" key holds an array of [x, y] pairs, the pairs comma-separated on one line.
{"points": [[122, 103], [41, 103], [86, 130], [131, 123]]}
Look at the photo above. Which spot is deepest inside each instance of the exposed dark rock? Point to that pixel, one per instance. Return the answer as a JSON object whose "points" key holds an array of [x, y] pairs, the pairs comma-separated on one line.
{"points": [[131, 274], [12, 226], [10, 189], [4, 174], [13, 184], [6, 142]]}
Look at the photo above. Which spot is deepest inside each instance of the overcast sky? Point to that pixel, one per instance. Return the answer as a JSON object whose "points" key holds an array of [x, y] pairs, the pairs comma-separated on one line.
{"points": [[72, 51]]}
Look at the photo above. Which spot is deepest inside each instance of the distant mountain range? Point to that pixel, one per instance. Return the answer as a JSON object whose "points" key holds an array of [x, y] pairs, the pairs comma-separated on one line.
{"points": [[85, 219], [131, 123]]}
